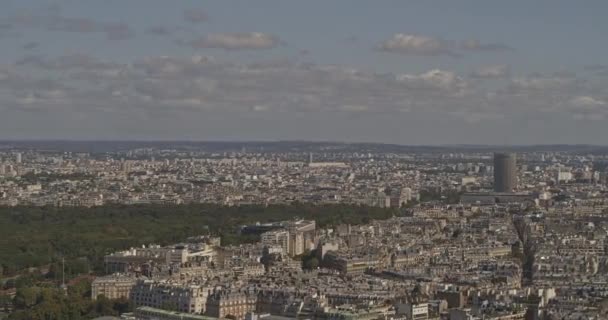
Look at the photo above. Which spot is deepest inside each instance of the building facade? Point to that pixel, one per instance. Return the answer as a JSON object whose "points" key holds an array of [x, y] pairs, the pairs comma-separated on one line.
{"points": [[505, 172], [112, 287]]}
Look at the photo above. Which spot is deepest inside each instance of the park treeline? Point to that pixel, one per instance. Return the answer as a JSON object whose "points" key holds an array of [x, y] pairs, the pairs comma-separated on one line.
{"points": [[42, 236], [48, 302]]}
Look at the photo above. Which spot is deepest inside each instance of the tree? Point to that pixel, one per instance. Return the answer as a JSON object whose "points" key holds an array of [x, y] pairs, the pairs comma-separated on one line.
{"points": [[6, 269], [311, 264], [84, 235], [309, 260], [26, 297], [122, 305], [104, 306], [10, 284], [5, 302]]}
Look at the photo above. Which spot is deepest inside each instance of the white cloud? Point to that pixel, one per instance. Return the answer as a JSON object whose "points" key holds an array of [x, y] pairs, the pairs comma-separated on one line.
{"points": [[415, 45], [153, 82], [438, 79], [260, 108], [539, 82], [28, 99], [411, 44], [587, 108], [199, 88], [587, 102], [236, 41]]}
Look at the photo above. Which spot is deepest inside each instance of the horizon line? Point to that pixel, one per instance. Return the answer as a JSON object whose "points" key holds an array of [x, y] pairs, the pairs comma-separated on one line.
{"points": [[270, 141]]}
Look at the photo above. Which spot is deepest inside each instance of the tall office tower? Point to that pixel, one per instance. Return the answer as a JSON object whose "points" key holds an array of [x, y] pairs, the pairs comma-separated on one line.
{"points": [[18, 157], [505, 176]]}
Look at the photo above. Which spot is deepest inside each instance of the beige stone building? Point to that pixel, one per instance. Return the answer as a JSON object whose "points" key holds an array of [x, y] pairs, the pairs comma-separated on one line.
{"points": [[112, 287]]}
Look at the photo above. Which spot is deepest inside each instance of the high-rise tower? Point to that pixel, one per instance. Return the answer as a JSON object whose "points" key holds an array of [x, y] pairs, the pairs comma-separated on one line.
{"points": [[505, 175]]}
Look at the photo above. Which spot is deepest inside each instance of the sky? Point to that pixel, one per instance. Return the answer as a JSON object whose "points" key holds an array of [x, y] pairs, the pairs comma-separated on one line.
{"points": [[405, 72]]}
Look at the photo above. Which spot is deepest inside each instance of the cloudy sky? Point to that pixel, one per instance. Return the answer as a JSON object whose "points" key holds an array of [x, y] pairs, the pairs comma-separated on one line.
{"points": [[406, 72]]}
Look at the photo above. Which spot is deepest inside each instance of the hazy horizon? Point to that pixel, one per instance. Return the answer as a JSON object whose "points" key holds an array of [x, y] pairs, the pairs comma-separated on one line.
{"points": [[407, 73], [279, 141]]}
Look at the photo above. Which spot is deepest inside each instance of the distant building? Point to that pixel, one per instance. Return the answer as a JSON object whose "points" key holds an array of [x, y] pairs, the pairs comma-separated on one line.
{"points": [[230, 304], [352, 264], [505, 174], [277, 238], [259, 228], [328, 165], [564, 175], [134, 258], [296, 238], [378, 199], [414, 311], [301, 236], [455, 298], [112, 287], [490, 198], [400, 197], [190, 298], [149, 313], [326, 247], [468, 180]]}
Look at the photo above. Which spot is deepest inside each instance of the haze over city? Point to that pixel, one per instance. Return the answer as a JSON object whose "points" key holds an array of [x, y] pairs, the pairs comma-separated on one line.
{"points": [[405, 72], [303, 160]]}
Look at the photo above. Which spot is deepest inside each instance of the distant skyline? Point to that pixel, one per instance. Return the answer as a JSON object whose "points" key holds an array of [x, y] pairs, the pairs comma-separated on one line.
{"points": [[400, 72]]}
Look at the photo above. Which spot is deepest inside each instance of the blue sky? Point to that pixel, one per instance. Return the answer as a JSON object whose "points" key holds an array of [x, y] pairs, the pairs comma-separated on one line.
{"points": [[409, 72]]}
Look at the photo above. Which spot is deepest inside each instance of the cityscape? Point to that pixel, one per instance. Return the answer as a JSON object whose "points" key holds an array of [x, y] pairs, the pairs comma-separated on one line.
{"points": [[481, 234], [303, 160], [332, 174]]}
